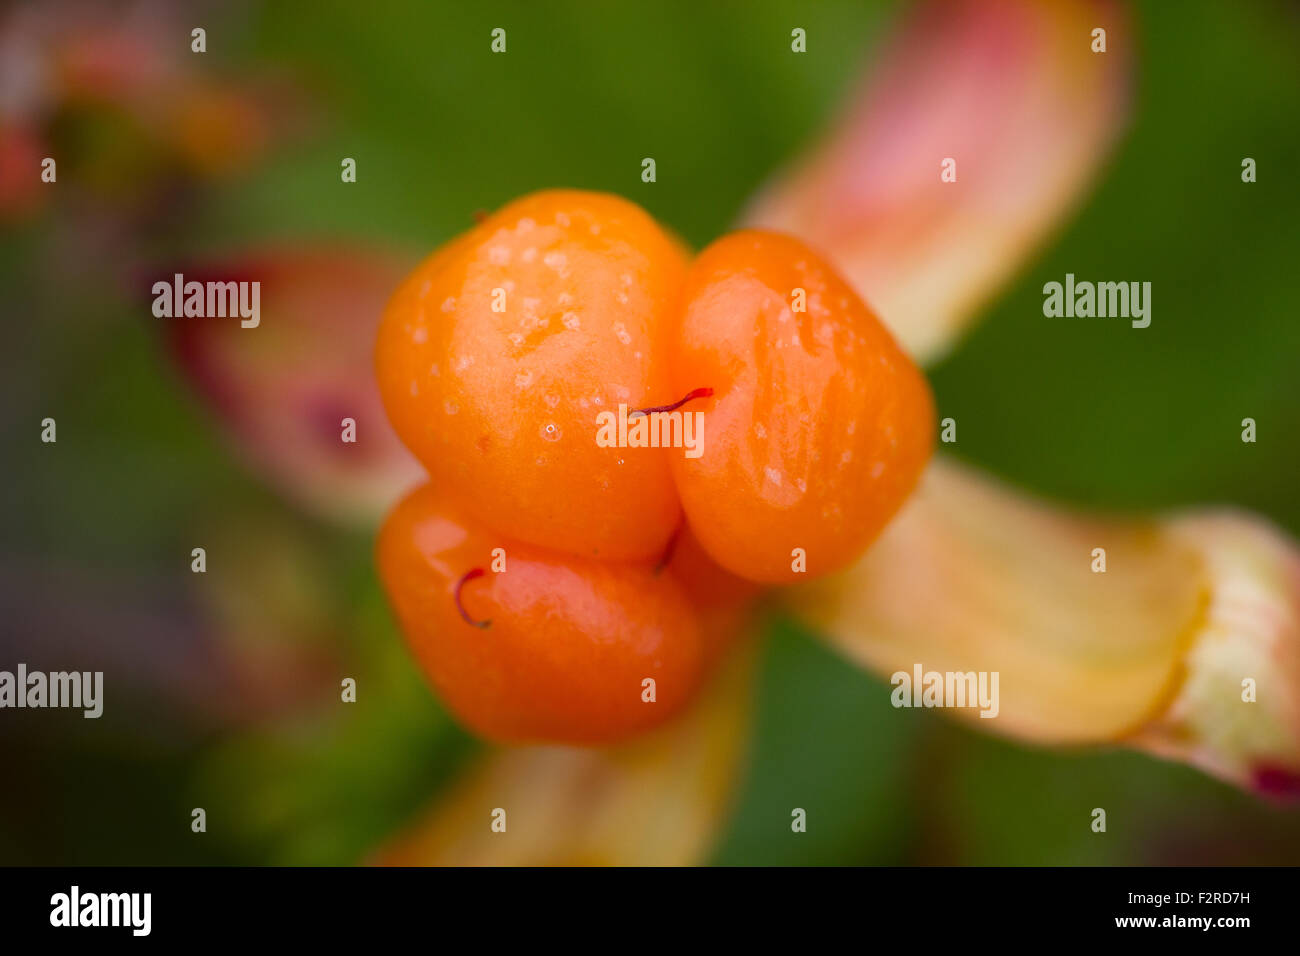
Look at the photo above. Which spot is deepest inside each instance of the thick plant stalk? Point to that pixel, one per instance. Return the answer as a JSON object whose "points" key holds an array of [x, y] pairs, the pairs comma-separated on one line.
{"points": [[1153, 651], [659, 801]]}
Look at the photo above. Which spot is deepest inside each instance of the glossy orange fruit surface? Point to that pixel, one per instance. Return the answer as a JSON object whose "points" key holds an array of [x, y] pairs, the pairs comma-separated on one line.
{"points": [[498, 353], [819, 425], [566, 644]]}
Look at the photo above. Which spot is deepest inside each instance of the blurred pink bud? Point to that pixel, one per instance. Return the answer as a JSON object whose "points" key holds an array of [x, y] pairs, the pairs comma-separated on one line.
{"points": [[1005, 96], [294, 391], [21, 152]]}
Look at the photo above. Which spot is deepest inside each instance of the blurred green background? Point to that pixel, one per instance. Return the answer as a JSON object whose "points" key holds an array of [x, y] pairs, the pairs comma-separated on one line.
{"points": [[97, 530]]}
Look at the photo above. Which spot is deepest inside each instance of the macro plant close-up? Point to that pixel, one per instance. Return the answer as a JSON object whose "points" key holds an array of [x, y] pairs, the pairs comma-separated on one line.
{"points": [[570, 434]]}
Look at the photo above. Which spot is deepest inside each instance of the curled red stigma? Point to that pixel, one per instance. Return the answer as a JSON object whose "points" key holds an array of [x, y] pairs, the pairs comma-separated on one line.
{"points": [[693, 393], [465, 578]]}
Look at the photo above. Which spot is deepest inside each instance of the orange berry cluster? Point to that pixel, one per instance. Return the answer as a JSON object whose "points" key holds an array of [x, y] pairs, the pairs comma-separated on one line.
{"points": [[560, 588]]}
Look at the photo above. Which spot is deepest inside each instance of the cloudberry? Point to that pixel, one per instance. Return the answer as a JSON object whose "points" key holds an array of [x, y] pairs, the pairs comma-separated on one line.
{"points": [[497, 357]]}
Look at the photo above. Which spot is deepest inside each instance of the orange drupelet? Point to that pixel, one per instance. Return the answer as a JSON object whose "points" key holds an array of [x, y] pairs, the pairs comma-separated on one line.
{"points": [[567, 644], [819, 425], [496, 355]]}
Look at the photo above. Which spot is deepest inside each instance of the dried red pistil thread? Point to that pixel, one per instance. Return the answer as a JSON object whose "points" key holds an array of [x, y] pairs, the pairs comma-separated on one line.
{"points": [[692, 394], [468, 576]]}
